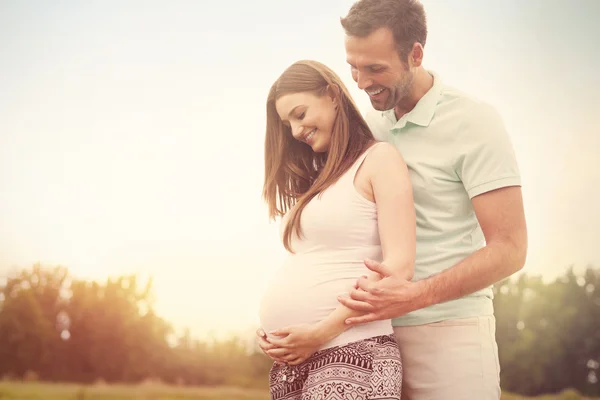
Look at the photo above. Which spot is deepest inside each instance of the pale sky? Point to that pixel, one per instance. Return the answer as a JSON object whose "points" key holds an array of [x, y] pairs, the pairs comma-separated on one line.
{"points": [[131, 133]]}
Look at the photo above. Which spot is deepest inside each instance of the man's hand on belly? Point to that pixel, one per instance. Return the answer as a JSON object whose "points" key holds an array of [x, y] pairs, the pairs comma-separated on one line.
{"points": [[390, 297]]}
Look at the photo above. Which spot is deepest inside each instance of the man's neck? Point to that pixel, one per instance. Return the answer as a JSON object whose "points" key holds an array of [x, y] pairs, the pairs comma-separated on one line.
{"points": [[423, 81]]}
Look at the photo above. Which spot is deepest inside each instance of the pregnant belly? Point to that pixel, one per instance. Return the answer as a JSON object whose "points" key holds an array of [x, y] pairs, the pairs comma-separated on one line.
{"points": [[292, 300]]}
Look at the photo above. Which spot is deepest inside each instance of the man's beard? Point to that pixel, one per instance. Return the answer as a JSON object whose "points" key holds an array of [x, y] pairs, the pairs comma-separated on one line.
{"points": [[399, 92]]}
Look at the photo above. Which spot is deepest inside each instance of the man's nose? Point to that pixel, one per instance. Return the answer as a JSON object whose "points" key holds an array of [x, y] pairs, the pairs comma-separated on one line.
{"points": [[363, 80]]}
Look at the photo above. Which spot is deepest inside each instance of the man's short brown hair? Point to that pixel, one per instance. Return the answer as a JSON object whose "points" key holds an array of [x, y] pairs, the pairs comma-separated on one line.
{"points": [[405, 18]]}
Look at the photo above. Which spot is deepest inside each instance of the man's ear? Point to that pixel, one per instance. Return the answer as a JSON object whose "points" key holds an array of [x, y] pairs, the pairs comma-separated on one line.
{"points": [[415, 57]]}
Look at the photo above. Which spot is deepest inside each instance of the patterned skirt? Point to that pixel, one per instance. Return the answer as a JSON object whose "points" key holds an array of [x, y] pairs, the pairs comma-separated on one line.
{"points": [[369, 369]]}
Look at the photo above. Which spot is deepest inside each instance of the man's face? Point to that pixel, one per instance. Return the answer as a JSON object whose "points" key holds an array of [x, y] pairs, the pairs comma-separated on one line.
{"points": [[378, 69]]}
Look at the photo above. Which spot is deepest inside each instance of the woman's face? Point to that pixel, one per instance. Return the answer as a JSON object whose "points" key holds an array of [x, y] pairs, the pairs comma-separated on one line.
{"points": [[310, 118]]}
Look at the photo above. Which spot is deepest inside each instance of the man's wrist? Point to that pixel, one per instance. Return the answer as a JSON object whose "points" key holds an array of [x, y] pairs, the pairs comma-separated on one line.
{"points": [[424, 296]]}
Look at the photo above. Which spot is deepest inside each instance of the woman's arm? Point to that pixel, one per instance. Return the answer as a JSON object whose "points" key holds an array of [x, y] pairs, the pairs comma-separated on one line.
{"points": [[395, 210], [388, 185]]}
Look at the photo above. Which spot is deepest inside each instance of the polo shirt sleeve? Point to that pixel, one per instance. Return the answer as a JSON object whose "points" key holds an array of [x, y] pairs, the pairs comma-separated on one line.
{"points": [[487, 159]]}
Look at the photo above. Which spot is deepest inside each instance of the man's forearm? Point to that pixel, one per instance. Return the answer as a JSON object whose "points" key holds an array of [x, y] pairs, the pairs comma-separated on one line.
{"points": [[483, 268]]}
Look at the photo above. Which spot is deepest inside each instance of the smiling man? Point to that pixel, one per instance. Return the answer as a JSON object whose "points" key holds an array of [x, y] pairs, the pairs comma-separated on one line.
{"points": [[471, 229]]}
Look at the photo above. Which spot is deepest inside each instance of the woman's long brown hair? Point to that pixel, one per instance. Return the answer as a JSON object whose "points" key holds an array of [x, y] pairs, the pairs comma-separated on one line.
{"points": [[294, 173]]}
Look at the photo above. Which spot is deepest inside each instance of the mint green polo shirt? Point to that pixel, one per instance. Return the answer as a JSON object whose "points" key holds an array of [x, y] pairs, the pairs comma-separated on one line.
{"points": [[456, 148]]}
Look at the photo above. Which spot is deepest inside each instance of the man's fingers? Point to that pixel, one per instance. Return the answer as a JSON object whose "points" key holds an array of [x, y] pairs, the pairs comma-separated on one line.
{"points": [[362, 283], [368, 287], [361, 320], [362, 295], [362, 291], [356, 305]]}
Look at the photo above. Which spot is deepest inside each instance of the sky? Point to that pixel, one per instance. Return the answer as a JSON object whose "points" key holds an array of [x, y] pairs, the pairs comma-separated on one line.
{"points": [[132, 133]]}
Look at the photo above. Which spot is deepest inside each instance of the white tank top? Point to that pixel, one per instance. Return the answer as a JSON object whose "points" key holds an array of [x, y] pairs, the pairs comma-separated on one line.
{"points": [[339, 231]]}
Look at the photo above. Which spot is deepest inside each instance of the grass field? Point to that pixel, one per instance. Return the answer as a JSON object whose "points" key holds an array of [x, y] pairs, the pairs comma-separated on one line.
{"points": [[39, 391]]}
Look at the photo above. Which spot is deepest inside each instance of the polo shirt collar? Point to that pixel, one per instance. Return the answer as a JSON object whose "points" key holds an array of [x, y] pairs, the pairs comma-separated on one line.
{"points": [[424, 110]]}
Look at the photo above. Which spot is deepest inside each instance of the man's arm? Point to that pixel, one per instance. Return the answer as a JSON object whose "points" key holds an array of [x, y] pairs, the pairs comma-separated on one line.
{"points": [[487, 166], [489, 171], [502, 219]]}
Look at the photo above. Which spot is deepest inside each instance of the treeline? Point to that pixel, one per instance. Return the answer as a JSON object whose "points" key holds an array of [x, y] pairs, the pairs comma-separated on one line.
{"points": [[56, 328], [549, 333]]}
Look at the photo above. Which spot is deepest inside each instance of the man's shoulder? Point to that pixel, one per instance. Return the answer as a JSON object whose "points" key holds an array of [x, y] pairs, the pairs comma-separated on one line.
{"points": [[458, 100], [465, 104]]}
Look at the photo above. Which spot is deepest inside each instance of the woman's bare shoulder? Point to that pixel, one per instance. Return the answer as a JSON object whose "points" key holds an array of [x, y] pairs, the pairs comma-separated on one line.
{"points": [[384, 155]]}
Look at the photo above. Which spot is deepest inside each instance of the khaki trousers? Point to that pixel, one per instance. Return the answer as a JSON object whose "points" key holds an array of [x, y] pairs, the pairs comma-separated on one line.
{"points": [[450, 360]]}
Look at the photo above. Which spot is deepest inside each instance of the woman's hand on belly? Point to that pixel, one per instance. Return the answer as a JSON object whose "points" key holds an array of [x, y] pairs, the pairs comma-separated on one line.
{"points": [[265, 345], [295, 344]]}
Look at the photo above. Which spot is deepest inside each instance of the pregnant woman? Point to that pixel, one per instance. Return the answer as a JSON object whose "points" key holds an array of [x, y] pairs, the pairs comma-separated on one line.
{"points": [[343, 199]]}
